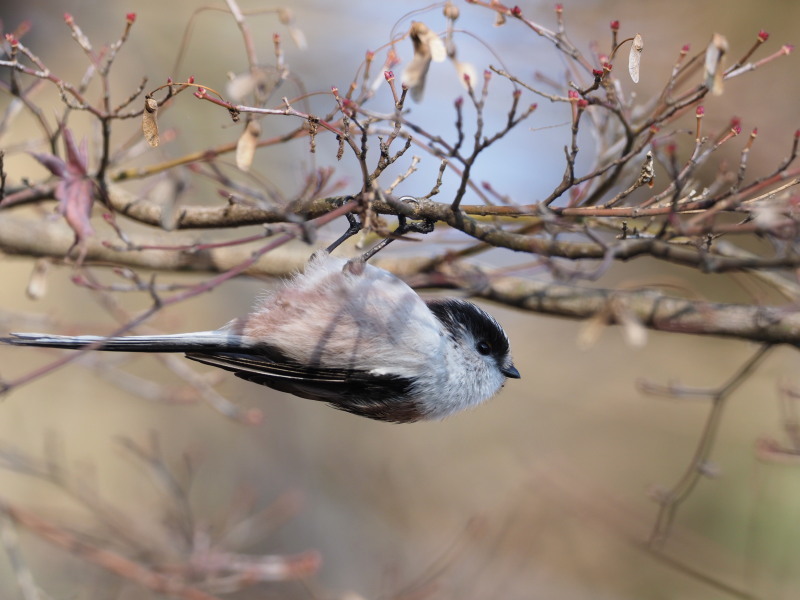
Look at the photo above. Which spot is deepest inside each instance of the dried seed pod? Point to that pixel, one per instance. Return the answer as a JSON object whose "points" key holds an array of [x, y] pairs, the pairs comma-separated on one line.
{"points": [[427, 47], [635, 57], [714, 65], [37, 284], [246, 146], [149, 122]]}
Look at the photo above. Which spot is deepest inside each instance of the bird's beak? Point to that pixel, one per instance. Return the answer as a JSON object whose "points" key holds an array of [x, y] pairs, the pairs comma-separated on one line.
{"points": [[511, 372]]}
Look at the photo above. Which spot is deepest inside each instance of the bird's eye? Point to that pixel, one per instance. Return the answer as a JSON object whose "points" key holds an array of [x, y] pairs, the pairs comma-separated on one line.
{"points": [[484, 348]]}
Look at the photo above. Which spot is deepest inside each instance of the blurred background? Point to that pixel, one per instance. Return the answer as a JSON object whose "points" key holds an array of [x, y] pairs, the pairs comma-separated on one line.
{"points": [[544, 492]]}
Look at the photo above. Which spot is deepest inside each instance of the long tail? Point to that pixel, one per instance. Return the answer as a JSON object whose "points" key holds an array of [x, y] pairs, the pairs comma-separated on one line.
{"points": [[201, 341]]}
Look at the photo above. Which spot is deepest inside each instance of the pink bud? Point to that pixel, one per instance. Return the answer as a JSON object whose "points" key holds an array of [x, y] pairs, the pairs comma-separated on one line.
{"points": [[130, 18], [597, 72], [737, 129], [700, 111], [572, 95], [459, 102], [685, 48], [583, 103], [191, 79], [169, 80], [516, 11], [559, 9], [370, 55], [797, 133], [12, 40], [389, 75], [68, 19], [787, 48], [763, 36], [615, 25], [754, 133]]}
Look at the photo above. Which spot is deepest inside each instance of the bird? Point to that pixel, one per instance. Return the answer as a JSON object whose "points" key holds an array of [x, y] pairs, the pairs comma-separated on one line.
{"points": [[349, 334]]}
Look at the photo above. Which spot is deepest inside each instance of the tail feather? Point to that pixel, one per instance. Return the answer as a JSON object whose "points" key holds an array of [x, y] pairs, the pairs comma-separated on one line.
{"points": [[203, 341]]}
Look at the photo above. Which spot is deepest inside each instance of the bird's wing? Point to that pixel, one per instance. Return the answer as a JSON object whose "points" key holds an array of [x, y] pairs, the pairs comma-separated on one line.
{"points": [[373, 395]]}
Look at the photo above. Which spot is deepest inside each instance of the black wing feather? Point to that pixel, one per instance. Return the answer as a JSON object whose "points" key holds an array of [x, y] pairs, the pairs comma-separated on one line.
{"points": [[371, 395]]}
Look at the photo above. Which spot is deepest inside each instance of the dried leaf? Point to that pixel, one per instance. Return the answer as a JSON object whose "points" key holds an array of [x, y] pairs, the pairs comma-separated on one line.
{"points": [[635, 57], [592, 329], [149, 122], [714, 65], [298, 37], [243, 84], [466, 70], [246, 146], [75, 191], [37, 284], [634, 331], [286, 17], [427, 47]]}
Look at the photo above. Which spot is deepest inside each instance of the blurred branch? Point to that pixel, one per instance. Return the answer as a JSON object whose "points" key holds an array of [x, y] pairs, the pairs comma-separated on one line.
{"points": [[106, 559], [649, 308], [699, 466]]}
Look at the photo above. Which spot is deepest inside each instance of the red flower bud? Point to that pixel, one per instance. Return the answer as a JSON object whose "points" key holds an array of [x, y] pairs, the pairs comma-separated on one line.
{"points": [[700, 111], [763, 36], [615, 25], [130, 18], [516, 11], [68, 19]]}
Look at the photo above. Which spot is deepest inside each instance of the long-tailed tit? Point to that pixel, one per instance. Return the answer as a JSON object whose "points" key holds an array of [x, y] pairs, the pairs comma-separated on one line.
{"points": [[349, 334]]}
